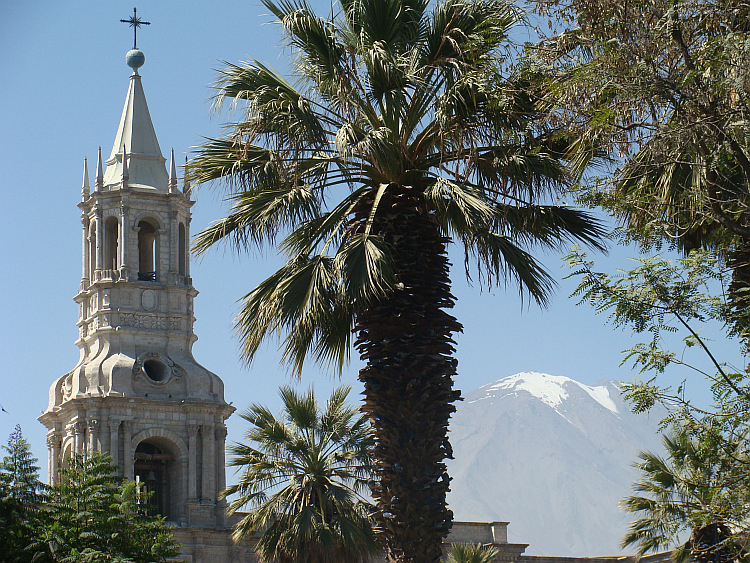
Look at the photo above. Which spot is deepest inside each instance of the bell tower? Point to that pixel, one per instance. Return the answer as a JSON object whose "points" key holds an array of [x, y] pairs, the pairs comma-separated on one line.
{"points": [[137, 392]]}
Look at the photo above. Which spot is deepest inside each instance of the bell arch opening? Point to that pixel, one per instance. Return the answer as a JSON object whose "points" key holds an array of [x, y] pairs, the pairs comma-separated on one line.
{"points": [[148, 249], [111, 237], [156, 470]]}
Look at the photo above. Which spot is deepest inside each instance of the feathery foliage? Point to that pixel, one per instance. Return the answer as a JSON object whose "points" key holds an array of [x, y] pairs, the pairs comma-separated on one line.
{"points": [[302, 474], [683, 298], [702, 487], [664, 83], [93, 515], [21, 493]]}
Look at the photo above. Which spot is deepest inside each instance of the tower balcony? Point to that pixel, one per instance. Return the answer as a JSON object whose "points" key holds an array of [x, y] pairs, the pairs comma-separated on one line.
{"points": [[106, 275]]}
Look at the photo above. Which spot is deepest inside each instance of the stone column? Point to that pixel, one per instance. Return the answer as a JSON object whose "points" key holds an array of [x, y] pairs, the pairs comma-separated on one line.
{"points": [[192, 474], [54, 442], [171, 236], [94, 444], [127, 451], [209, 459], [221, 473], [85, 276], [99, 240], [80, 432], [114, 443], [187, 246], [123, 240], [221, 440]]}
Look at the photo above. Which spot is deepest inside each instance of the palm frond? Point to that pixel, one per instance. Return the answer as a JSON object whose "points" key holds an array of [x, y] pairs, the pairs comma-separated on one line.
{"points": [[299, 480]]}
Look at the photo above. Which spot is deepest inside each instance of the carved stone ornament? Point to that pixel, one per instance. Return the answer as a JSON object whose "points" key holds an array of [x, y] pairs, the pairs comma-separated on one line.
{"points": [[156, 369], [149, 299]]}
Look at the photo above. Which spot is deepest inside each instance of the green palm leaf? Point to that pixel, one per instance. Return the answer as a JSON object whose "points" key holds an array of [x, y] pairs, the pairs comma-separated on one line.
{"points": [[300, 477]]}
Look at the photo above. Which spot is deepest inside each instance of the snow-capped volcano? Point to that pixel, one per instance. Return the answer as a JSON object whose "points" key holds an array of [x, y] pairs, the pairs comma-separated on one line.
{"points": [[553, 457], [550, 389]]}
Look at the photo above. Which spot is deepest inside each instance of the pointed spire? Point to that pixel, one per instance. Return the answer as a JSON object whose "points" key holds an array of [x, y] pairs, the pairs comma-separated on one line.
{"points": [[125, 173], [172, 174], [146, 164], [86, 187], [185, 181], [99, 180]]}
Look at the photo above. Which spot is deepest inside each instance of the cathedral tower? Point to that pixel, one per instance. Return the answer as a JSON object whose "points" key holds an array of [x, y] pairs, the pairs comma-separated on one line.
{"points": [[137, 392]]}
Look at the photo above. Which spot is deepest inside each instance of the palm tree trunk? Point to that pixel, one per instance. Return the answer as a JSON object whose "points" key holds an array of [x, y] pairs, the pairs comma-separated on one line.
{"points": [[709, 544], [739, 291], [406, 342]]}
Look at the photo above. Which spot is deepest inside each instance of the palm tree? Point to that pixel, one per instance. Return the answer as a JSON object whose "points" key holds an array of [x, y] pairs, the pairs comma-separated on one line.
{"points": [[700, 489], [302, 475], [471, 553], [401, 134]]}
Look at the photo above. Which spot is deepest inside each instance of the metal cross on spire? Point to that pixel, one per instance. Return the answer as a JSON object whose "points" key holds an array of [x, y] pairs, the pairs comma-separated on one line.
{"points": [[135, 22]]}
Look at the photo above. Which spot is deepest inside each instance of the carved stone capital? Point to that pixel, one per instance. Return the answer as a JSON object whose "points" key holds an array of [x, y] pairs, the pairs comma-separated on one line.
{"points": [[93, 425], [79, 427], [220, 432], [54, 441]]}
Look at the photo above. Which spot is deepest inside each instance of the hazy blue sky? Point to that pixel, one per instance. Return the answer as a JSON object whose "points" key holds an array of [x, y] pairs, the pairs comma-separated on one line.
{"points": [[63, 87]]}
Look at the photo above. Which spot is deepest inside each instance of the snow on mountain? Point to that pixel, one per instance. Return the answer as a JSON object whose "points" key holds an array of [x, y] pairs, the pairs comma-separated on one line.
{"points": [[549, 388], [553, 457]]}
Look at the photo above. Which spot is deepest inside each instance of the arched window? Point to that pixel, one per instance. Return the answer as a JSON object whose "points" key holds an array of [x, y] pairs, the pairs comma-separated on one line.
{"points": [[148, 236], [152, 467], [181, 250], [111, 238]]}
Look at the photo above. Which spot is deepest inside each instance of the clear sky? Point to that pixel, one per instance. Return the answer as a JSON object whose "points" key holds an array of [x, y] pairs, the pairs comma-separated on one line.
{"points": [[62, 89]]}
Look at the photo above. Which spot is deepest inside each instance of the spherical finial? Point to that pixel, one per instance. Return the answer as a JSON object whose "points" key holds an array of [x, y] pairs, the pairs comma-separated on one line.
{"points": [[135, 58]]}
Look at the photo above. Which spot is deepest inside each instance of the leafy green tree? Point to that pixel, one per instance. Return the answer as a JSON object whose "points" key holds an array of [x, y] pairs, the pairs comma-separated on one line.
{"points": [[703, 486], [665, 85], [407, 129], [93, 515], [700, 488], [471, 553], [21, 493], [302, 475], [683, 298]]}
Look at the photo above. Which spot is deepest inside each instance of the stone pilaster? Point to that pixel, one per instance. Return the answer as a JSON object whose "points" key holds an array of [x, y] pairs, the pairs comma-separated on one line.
{"points": [[209, 464], [127, 450], [192, 473], [114, 442], [54, 444]]}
